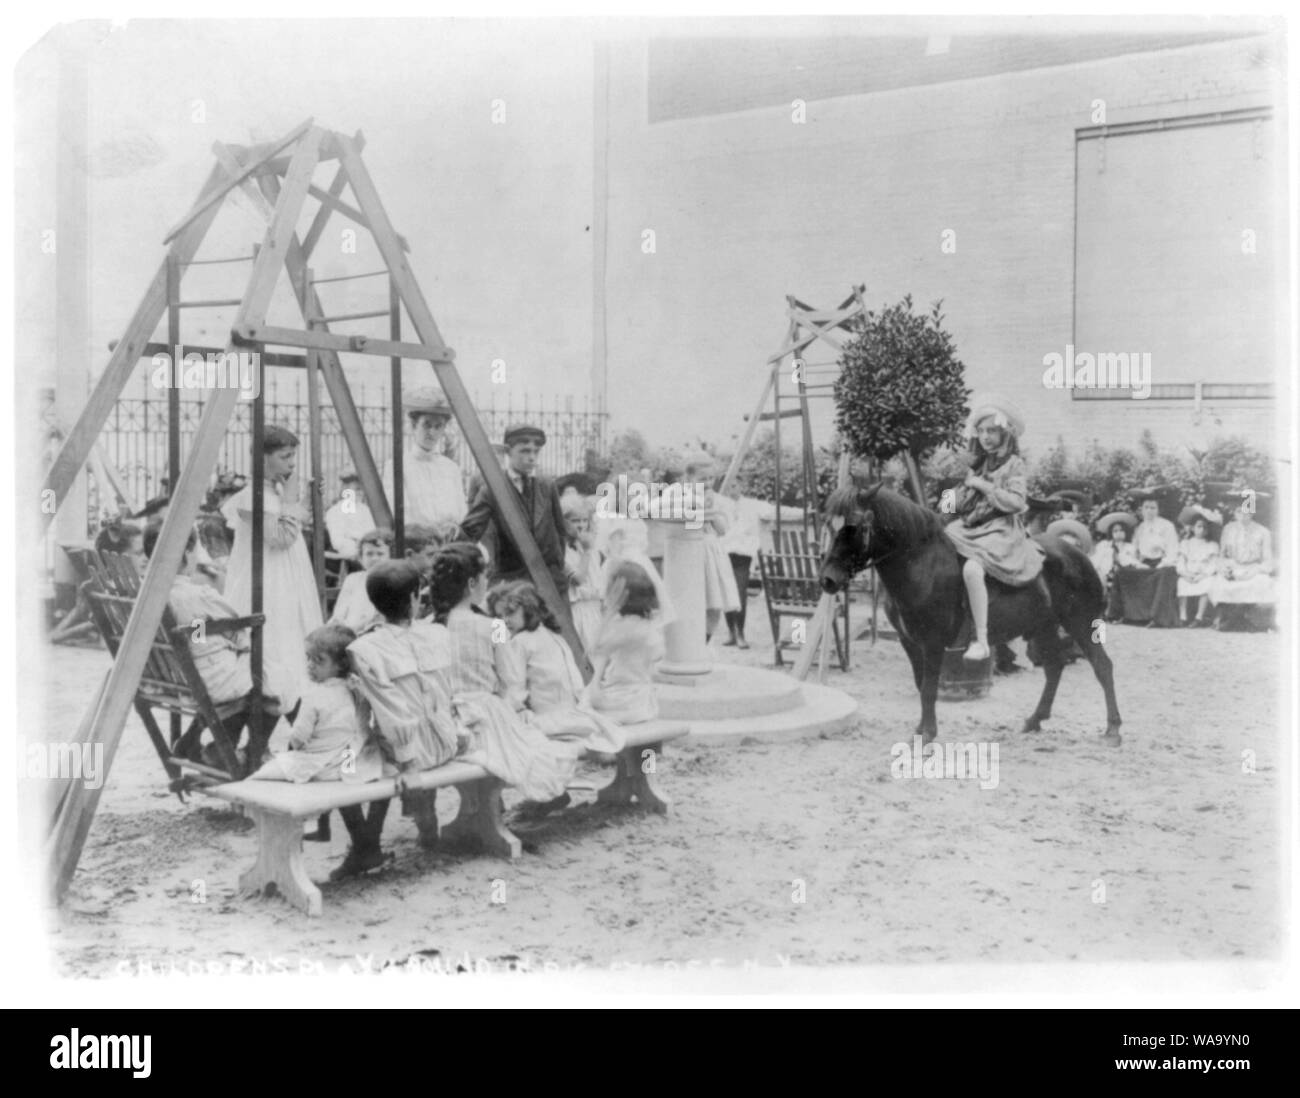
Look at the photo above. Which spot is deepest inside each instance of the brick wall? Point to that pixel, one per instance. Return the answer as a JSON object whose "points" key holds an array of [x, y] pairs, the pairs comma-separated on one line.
{"points": [[749, 206]]}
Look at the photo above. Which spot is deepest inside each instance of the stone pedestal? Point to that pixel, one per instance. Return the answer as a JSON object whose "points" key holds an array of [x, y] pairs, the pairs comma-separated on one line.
{"points": [[723, 703], [686, 653]]}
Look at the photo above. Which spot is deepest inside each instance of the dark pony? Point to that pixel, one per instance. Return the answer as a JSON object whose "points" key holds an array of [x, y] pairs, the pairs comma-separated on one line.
{"points": [[921, 572]]}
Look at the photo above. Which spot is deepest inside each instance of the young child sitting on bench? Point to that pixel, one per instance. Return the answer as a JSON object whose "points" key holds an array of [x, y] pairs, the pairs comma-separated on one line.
{"points": [[329, 742], [541, 678], [400, 668]]}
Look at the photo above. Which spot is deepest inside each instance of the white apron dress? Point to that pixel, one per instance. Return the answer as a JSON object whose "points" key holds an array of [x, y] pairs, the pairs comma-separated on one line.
{"points": [[289, 598]]}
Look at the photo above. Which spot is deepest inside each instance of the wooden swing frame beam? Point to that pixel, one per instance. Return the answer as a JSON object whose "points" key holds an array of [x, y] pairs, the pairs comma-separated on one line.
{"points": [[278, 177]]}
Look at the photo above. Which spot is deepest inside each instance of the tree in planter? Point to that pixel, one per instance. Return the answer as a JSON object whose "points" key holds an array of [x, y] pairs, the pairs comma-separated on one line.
{"points": [[901, 388]]}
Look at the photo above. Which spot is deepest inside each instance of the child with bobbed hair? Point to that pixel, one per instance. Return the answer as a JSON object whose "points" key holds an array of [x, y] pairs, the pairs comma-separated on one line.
{"points": [[328, 742], [400, 668], [541, 677], [503, 744], [629, 644]]}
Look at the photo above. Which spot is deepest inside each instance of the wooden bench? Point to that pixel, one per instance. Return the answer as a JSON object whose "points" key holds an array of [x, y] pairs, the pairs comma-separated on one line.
{"points": [[279, 808], [792, 588], [171, 682]]}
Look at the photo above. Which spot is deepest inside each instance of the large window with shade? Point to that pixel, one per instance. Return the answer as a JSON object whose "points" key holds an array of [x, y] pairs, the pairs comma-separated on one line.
{"points": [[1176, 252]]}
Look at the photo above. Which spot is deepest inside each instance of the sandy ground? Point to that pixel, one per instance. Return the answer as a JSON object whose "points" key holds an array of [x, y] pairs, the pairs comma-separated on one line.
{"points": [[1165, 849]]}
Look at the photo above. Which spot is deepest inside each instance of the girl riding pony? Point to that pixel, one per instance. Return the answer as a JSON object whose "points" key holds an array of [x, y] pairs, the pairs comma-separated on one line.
{"points": [[989, 534]]}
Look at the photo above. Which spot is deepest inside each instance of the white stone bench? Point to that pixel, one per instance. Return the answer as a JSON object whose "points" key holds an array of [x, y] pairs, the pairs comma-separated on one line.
{"points": [[280, 808]]}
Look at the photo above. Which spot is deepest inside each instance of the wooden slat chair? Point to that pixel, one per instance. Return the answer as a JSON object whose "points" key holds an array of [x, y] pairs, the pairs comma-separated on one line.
{"points": [[792, 588], [172, 682], [78, 622]]}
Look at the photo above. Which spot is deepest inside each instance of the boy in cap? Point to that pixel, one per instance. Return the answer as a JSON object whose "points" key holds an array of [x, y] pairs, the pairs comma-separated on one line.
{"points": [[541, 504], [432, 489]]}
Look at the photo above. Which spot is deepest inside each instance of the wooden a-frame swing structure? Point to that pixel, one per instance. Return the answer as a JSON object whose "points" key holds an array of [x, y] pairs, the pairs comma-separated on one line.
{"points": [[278, 178], [806, 327]]}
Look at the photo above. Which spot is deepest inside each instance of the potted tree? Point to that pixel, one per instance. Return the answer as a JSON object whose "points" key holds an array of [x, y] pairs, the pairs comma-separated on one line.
{"points": [[901, 394]]}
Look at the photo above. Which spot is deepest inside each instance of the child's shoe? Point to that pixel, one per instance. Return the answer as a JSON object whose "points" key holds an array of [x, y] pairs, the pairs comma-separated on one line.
{"points": [[358, 862]]}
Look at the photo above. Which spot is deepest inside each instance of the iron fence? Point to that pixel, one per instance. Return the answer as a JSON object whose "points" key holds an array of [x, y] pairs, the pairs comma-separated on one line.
{"points": [[134, 439]]}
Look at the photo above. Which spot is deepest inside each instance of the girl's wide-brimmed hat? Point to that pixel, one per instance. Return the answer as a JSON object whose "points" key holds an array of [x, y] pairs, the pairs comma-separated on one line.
{"points": [[1191, 513], [1004, 414], [1107, 522], [1077, 529]]}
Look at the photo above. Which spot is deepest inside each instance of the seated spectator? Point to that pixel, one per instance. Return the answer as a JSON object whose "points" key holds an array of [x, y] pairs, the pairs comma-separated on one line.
{"points": [[1114, 551], [1245, 577], [354, 608], [1198, 559], [1147, 593], [221, 659], [349, 519], [126, 539]]}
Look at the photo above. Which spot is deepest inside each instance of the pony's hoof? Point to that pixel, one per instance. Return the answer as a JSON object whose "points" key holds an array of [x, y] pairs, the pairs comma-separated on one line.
{"points": [[1112, 738], [1032, 726]]}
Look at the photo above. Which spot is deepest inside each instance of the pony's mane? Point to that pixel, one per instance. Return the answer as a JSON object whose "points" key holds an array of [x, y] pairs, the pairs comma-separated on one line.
{"points": [[897, 517]]}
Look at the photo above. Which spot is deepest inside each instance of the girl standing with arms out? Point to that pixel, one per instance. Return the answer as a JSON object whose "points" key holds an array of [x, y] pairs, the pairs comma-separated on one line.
{"points": [[289, 598], [989, 534], [628, 646]]}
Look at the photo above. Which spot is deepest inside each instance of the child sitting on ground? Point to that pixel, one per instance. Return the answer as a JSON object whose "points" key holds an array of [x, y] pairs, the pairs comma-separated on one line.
{"points": [[400, 668], [629, 644], [353, 607], [541, 678], [508, 748]]}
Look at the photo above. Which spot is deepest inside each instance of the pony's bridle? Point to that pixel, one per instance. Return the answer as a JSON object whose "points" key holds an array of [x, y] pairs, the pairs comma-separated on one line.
{"points": [[855, 518]]}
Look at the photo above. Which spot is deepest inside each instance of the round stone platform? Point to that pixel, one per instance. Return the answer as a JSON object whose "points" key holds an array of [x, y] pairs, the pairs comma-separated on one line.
{"points": [[732, 703]]}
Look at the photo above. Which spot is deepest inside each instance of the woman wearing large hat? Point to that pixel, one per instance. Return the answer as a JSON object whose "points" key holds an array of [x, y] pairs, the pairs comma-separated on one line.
{"points": [[433, 492], [989, 534]]}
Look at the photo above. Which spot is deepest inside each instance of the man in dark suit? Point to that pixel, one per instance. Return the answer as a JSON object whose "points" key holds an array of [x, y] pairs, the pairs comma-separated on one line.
{"points": [[541, 503]]}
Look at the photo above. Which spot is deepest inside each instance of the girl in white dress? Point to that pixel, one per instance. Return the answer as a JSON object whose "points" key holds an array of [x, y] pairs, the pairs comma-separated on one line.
{"points": [[1198, 562], [582, 564], [289, 598], [329, 743], [720, 593], [541, 678], [628, 646], [503, 744]]}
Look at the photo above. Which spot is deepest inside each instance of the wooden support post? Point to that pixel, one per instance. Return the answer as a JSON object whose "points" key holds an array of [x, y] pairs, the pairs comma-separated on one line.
{"points": [[109, 717], [747, 437], [335, 381], [399, 452], [517, 524], [173, 388], [126, 355], [106, 721], [213, 198], [317, 502]]}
